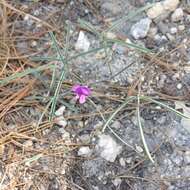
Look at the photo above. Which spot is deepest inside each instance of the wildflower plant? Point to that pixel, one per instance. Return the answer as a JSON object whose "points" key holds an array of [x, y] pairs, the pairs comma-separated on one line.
{"points": [[81, 93]]}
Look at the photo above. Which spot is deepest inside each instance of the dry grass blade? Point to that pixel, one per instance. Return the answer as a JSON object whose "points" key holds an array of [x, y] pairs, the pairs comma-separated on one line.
{"points": [[130, 16], [63, 72], [141, 131], [23, 13], [9, 103], [164, 105], [129, 99], [24, 73]]}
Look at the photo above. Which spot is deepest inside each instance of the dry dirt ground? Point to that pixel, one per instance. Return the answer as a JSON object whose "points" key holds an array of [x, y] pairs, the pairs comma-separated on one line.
{"points": [[84, 147]]}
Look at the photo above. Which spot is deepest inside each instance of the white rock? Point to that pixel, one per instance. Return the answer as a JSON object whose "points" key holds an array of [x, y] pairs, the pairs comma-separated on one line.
{"points": [[108, 148], [117, 181], [152, 32], [110, 35], [139, 149], [187, 157], [185, 122], [65, 135], [28, 143], [60, 111], [181, 27], [26, 17], [179, 86], [122, 162], [127, 40], [141, 28], [161, 8], [177, 15], [170, 37], [173, 30], [170, 5], [61, 121], [116, 125], [129, 160], [160, 40], [84, 151], [1, 12], [82, 43], [34, 43], [155, 11], [111, 6]]}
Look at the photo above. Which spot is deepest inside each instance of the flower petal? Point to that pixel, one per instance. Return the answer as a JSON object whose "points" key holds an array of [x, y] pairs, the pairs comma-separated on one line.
{"points": [[75, 87], [85, 90], [77, 97], [82, 99]]}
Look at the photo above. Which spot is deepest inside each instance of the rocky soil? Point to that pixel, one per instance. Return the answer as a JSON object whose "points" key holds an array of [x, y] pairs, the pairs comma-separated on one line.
{"points": [[75, 153]]}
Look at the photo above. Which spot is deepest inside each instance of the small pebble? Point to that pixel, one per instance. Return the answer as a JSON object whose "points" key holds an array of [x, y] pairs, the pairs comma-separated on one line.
{"points": [[28, 143], [155, 11], [173, 30], [181, 27], [26, 17], [84, 151], [179, 86], [60, 111], [117, 181], [141, 28], [163, 27], [65, 135], [130, 79], [108, 148], [110, 35], [158, 107], [160, 40], [177, 15], [82, 43], [34, 43], [61, 121], [139, 149], [122, 162], [86, 11], [39, 25], [161, 120], [81, 124], [187, 18], [152, 31], [170, 37], [116, 124], [142, 78], [176, 76], [36, 12], [187, 157], [111, 6], [161, 8], [170, 5], [129, 160], [177, 159]]}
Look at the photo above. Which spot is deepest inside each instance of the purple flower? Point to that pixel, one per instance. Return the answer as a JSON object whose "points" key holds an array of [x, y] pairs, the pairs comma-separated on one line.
{"points": [[81, 92]]}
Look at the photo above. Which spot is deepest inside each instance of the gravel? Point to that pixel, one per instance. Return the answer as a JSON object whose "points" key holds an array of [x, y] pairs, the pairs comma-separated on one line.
{"points": [[108, 148], [82, 43], [162, 9], [104, 161], [177, 15], [141, 28]]}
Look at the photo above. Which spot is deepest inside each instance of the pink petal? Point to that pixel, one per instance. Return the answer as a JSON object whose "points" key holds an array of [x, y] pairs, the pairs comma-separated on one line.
{"points": [[77, 97], [86, 91], [75, 87], [82, 99]]}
